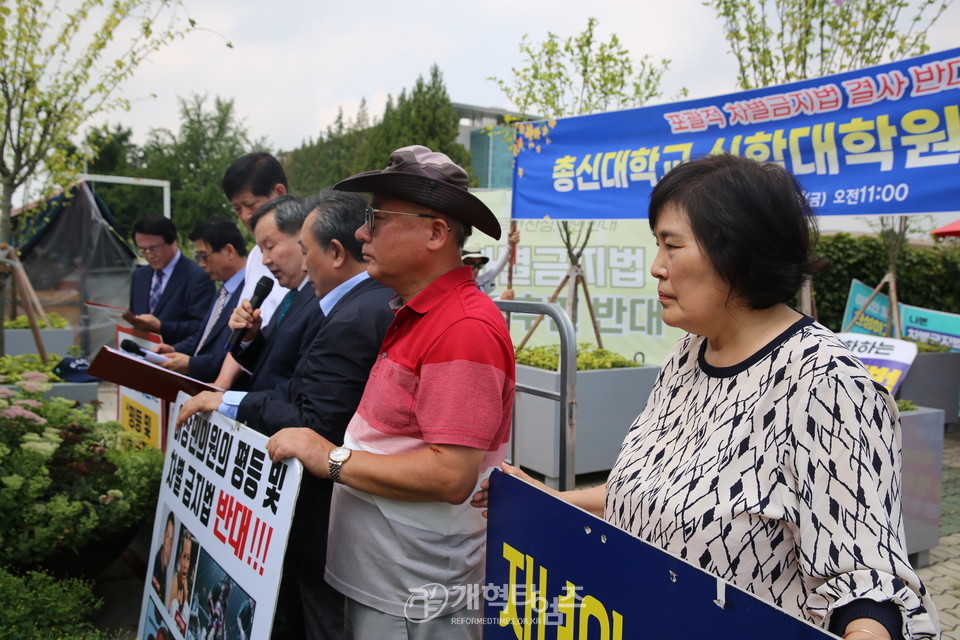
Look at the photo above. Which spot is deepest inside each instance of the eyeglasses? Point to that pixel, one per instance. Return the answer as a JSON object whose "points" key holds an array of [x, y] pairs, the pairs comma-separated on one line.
{"points": [[371, 215], [201, 256], [151, 249], [474, 265]]}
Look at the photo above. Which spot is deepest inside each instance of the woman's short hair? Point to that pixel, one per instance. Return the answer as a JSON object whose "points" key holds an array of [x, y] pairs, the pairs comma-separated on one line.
{"points": [[752, 220]]}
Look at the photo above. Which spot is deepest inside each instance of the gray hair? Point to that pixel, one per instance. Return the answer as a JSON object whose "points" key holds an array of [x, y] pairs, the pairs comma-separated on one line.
{"points": [[341, 213], [289, 212]]}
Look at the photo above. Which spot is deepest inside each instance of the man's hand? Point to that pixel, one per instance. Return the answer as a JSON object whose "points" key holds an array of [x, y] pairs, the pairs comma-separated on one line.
{"points": [[513, 239], [508, 294], [246, 317], [179, 362], [144, 321], [203, 402], [306, 445], [163, 348]]}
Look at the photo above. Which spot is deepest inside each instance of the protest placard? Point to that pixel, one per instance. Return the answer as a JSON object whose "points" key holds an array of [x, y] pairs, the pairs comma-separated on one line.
{"points": [[220, 533]]}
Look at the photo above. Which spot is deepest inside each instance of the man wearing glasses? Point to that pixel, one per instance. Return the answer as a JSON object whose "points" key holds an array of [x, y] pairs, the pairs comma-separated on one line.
{"points": [[171, 294], [222, 252], [434, 418]]}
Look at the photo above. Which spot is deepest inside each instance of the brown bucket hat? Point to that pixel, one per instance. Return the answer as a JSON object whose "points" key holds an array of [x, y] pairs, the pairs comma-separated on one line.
{"points": [[428, 178]]}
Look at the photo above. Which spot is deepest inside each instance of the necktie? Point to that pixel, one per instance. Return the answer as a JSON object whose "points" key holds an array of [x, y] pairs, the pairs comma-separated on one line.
{"points": [[217, 308], [285, 306], [155, 290]]}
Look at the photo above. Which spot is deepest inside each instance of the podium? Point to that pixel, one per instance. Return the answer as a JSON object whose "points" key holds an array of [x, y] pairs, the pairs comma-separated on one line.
{"points": [[145, 391]]}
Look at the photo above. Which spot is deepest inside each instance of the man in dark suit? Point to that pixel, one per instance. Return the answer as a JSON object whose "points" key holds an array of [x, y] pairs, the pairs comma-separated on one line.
{"points": [[171, 294], [222, 252], [269, 356], [322, 395]]}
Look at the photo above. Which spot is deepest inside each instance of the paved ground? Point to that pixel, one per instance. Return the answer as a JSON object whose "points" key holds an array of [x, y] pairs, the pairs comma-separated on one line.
{"points": [[121, 587], [942, 576]]}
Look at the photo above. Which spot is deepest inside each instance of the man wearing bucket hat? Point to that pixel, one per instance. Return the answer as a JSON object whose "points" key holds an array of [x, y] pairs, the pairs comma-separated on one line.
{"points": [[434, 419], [487, 279]]}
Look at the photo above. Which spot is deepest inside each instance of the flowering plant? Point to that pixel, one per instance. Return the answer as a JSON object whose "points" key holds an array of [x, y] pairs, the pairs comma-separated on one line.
{"points": [[65, 479]]}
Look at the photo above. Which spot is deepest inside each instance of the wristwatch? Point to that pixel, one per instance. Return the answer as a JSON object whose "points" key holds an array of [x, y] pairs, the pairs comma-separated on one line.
{"points": [[338, 457]]}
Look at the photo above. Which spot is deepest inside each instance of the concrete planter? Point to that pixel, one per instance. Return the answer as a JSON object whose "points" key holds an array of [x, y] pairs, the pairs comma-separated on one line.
{"points": [[934, 381], [608, 401], [83, 392], [922, 431], [20, 341]]}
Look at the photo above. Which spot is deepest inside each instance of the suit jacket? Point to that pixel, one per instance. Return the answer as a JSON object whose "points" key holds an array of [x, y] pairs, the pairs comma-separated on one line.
{"points": [[184, 304], [205, 365], [323, 395], [329, 378], [273, 355]]}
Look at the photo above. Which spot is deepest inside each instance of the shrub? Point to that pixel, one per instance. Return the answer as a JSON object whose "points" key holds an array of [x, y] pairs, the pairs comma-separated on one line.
{"points": [[54, 321], [65, 479], [927, 277], [588, 358], [37, 606]]}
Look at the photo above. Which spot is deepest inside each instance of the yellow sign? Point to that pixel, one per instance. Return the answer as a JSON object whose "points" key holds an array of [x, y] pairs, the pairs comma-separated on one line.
{"points": [[141, 420]]}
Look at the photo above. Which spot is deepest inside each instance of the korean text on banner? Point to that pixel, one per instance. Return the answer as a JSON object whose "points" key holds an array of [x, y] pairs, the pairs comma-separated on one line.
{"points": [[548, 575], [220, 533], [881, 140], [886, 359]]}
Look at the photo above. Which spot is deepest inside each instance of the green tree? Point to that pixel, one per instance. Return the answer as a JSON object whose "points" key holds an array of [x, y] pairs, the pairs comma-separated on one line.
{"points": [[334, 155], [424, 115], [57, 70], [780, 41], [194, 159], [117, 155], [579, 75], [574, 76]]}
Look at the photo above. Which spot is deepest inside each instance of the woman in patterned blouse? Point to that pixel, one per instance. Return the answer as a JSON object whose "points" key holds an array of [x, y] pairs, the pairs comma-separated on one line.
{"points": [[765, 455]]}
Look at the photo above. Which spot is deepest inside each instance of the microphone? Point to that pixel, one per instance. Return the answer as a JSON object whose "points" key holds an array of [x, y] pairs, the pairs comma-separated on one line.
{"points": [[260, 293], [150, 356]]}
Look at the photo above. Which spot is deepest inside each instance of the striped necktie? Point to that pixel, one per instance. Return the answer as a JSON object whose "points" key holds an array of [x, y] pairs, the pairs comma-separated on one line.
{"points": [[155, 289], [221, 303]]}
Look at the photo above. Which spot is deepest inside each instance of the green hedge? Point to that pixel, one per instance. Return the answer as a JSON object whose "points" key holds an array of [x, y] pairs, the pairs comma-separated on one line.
{"points": [[926, 277]]}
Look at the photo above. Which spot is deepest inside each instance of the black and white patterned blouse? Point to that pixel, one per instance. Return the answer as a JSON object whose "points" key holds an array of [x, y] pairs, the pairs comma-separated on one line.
{"points": [[780, 475]]}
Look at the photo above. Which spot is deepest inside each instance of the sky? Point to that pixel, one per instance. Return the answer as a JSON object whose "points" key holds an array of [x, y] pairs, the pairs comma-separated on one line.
{"points": [[292, 66], [294, 63]]}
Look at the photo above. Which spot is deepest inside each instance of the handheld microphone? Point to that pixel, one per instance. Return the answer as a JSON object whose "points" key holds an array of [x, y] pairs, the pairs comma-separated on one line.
{"points": [[260, 293], [132, 347]]}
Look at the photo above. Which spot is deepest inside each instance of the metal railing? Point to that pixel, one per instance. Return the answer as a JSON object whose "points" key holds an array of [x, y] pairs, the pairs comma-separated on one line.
{"points": [[567, 396]]}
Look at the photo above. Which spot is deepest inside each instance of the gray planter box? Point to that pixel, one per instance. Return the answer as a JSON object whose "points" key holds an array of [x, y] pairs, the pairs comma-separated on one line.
{"points": [[608, 401], [934, 381], [922, 431], [20, 341], [84, 392]]}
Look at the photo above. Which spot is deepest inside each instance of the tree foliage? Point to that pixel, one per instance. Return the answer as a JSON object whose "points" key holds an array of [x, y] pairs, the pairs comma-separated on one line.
{"points": [[929, 277], [195, 157], [117, 155], [780, 41], [581, 74], [58, 68], [573, 76], [424, 115]]}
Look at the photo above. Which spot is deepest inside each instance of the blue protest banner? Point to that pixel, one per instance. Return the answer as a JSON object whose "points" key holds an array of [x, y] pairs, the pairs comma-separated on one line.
{"points": [[875, 319], [882, 140], [556, 571], [917, 324]]}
